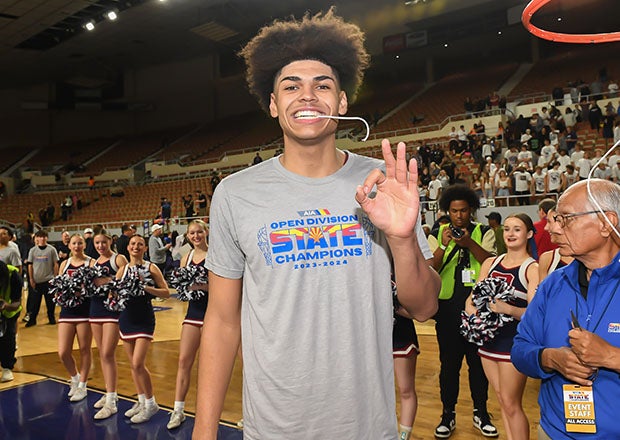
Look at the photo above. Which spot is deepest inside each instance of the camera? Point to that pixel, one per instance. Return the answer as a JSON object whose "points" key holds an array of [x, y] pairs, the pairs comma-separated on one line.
{"points": [[456, 232]]}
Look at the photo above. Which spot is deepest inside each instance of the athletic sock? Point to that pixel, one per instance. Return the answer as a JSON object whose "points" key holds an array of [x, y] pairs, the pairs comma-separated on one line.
{"points": [[141, 398], [150, 402], [76, 378], [111, 398], [179, 406]]}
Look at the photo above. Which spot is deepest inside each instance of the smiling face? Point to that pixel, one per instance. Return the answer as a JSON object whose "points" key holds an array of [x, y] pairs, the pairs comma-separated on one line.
{"points": [[516, 234], [40, 240], [136, 246], [102, 244], [197, 235], [303, 91]]}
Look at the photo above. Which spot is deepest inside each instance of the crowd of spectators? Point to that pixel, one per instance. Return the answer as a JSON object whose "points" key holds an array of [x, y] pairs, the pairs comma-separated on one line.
{"points": [[529, 158]]}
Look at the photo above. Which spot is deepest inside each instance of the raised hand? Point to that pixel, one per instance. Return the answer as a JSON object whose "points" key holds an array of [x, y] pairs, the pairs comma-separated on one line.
{"points": [[394, 209]]}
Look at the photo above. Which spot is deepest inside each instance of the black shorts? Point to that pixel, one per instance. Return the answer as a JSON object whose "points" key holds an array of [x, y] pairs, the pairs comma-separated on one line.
{"points": [[404, 338]]}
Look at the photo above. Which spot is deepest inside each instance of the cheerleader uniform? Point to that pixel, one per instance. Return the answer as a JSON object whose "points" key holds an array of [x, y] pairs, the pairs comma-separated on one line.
{"points": [[197, 307], [557, 262], [98, 313], [404, 337], [74, 315], [498, 348], [138, 318]]}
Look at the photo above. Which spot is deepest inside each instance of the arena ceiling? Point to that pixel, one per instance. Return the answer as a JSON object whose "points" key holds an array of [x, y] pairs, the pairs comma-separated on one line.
{"points": [[44, 40]]}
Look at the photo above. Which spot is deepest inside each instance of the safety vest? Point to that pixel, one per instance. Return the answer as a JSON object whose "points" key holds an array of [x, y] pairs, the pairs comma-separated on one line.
{"points": [[449, 268], [5, 294]]}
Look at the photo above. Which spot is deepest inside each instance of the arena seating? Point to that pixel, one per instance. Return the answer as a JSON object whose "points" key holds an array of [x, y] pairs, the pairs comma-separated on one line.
{"points": [[446, 97]]}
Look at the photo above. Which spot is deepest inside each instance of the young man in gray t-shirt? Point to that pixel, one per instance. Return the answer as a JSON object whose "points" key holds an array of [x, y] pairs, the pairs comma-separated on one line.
{"points": [[300, 254], [43, 266]]}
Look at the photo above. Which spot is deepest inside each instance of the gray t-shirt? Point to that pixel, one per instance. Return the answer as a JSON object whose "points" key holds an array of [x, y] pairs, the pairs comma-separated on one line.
{"points": [[317, 303], [157, 250], [42, 261], [9, 255]]}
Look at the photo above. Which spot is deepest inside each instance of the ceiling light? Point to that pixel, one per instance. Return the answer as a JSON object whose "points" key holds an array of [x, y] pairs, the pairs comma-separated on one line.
{"points": [[499, 32], [90, 25], [111, 15], [445, 45]]}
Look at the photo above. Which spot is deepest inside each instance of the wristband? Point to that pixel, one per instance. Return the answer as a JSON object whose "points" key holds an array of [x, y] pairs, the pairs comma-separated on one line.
{"points": [[442, 247]]}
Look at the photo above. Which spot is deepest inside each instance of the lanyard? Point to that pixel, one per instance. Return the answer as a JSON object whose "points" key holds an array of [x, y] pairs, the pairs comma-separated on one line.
{"points": [[604, 310]]}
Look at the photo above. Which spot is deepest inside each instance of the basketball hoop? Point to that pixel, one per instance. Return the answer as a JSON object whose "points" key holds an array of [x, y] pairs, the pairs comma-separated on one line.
{"points": [[535, 5]]}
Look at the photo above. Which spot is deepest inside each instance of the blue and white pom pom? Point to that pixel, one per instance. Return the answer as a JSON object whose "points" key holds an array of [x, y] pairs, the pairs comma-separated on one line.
{"points": [[485, 324], [89, 275], [68, 290], [131, 285], [184, 278]]}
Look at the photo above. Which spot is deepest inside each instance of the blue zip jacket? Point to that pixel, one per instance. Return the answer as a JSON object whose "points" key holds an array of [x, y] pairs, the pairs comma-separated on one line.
{"points": [[546, 324]]}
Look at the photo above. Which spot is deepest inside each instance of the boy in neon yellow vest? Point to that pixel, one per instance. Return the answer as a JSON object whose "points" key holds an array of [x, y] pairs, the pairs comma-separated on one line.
{"points": [[10, 306], [459, 248]]}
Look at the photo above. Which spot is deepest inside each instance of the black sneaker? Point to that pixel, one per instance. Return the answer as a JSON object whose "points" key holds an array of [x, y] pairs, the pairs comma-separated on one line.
{"points": [[482, 421], [447, 425], [30, 323], [26, 317]]}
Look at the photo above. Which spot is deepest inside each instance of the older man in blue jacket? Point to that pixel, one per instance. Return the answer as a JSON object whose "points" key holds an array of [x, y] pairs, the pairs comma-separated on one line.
{"points": [[570, 334]]}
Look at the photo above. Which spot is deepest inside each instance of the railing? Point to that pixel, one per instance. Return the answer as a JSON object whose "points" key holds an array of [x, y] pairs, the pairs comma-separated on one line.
{"points": [[435, 127], [145, 224]]}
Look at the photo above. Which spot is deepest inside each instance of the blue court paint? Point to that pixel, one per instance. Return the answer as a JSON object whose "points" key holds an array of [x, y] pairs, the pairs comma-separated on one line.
{"points": [[42, 411]]}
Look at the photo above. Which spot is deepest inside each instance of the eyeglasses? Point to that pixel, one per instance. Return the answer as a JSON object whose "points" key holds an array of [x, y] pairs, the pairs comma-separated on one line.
{"points": [[561, 219]]}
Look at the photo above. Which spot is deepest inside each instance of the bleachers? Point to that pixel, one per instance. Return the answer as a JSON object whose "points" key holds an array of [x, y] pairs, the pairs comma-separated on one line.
{"points": [[574, 63], [248, 131], [133, 149], [16, 207], [11, 156], [62, 155], [446, 97]]}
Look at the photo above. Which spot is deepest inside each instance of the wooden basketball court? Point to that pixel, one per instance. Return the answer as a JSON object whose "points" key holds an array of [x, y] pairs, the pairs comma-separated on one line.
{"points": [[37, 358]]}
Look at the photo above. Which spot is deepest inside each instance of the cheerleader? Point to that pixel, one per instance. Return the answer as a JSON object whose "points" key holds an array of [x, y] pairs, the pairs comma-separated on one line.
{"points": [[137, 325], [197, 233], [551, 260], [104, 325], [519, 269], [405, 352], [74, 321]]}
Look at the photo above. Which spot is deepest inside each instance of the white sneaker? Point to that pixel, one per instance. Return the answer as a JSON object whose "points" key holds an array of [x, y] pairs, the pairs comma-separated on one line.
{"points": [[79, 394], [240, 423], [105, 412], [72, 387], [100, 403], [176, 418], [146, 414], [7, 375], [135, 409]]}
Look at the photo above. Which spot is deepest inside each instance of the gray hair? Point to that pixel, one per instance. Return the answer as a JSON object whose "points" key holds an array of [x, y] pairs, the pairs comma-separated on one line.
{"points": [[603, 192]]}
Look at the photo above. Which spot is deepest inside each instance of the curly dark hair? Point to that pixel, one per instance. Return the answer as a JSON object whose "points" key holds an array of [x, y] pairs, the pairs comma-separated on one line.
{"points": [[459, 192], [323, 37]]}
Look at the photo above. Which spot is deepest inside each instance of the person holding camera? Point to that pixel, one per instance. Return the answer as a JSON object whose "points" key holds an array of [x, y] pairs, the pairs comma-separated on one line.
{"points": [[10, 306], [459, 248]]}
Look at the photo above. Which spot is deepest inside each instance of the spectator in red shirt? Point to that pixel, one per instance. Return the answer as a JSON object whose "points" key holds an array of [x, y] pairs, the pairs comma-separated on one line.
{"points": [[542, 237]]}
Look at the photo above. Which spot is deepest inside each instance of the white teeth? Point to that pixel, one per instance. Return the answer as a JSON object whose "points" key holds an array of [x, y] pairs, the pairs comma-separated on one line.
{"points": [[306, 114]]}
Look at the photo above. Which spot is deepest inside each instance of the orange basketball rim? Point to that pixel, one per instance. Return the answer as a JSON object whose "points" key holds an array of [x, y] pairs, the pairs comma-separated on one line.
{"points": [[535, 5]]}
